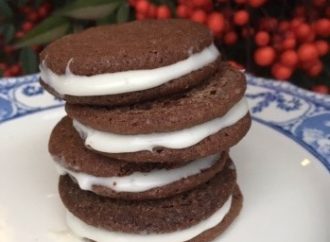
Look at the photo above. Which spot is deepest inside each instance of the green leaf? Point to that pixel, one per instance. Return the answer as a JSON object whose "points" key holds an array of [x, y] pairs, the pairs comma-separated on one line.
{"points": [[5, 10], [28, 60], [91, 10], [48, 30], [172, 6], [8, 32], [21, 2], [37, 3], [110, 19], [123, 13]]}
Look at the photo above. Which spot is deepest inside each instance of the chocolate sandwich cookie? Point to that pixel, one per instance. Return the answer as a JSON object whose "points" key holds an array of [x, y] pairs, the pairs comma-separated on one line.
{"points": [[210, 100], [126, 180], [212, 232], [215, 143], [174, 214], [128, 63]]}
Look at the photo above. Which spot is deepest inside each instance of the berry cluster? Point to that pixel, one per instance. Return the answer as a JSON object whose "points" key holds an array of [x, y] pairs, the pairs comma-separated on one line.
{"points": [[32, 17], [145, 9], [278, 47], [29, 17], [295, 44], [298, 44]]}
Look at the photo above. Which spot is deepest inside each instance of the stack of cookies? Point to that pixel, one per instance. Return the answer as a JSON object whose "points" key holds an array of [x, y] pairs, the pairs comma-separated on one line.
{"points": [[151, 114]]}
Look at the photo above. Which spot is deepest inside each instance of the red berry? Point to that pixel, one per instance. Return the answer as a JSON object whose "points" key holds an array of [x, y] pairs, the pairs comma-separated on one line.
{"points": [[295, 23], [315, 68], [319, 3], [284, 26], [240, 1], [8, 49], [230, 38], [152, 13], [182, 11], [43, 11], [132, 2], [281, 72], [241, 17], [163, 12], [209, 6], [199, 16], [262, 38], [15, 70], [289, 58], [300, 11], [140, 16], [188, 3], [33, 17], [323, 89], [236, 65], [256, 3], [142, 7], [216, 22], [200, 3], [307, 52], [289, 43], [264, 56], [303, 31], [311, 37], [47, 6], [3, 66], [322, 27], [27, 26], [322, 47], [25, 9], [19, 34], [7, 73]]}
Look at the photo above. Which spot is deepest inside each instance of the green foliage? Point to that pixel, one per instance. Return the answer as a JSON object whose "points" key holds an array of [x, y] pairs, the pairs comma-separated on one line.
{"points": [[69, 16], [8, 31], [5, 10], [48, 30], [28, 60], [22, 2], [90, 10], [123, 13]]}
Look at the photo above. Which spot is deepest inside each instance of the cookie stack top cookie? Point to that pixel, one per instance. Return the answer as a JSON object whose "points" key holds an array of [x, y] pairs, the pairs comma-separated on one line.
{"points": [[152, 112], [107, 65]]}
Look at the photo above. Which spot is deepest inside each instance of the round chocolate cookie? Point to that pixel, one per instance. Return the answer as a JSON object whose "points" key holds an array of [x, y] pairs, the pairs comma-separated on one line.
{"points": [[139, 45], [211, 234], [210, 100], [220, 141], [69, 152], [150, 216]]}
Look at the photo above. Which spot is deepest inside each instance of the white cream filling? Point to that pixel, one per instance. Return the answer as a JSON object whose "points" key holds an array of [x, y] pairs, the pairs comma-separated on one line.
{"points": [[84, 230], [126, 81], [141, 181], [116, 143]]}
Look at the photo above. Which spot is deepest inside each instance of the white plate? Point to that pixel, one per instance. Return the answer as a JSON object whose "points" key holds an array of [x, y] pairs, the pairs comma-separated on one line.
{"points": [[286, 188]]}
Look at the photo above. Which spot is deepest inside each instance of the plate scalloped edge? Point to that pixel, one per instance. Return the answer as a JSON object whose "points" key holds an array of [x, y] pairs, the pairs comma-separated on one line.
{"points": [[301, 115]]}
